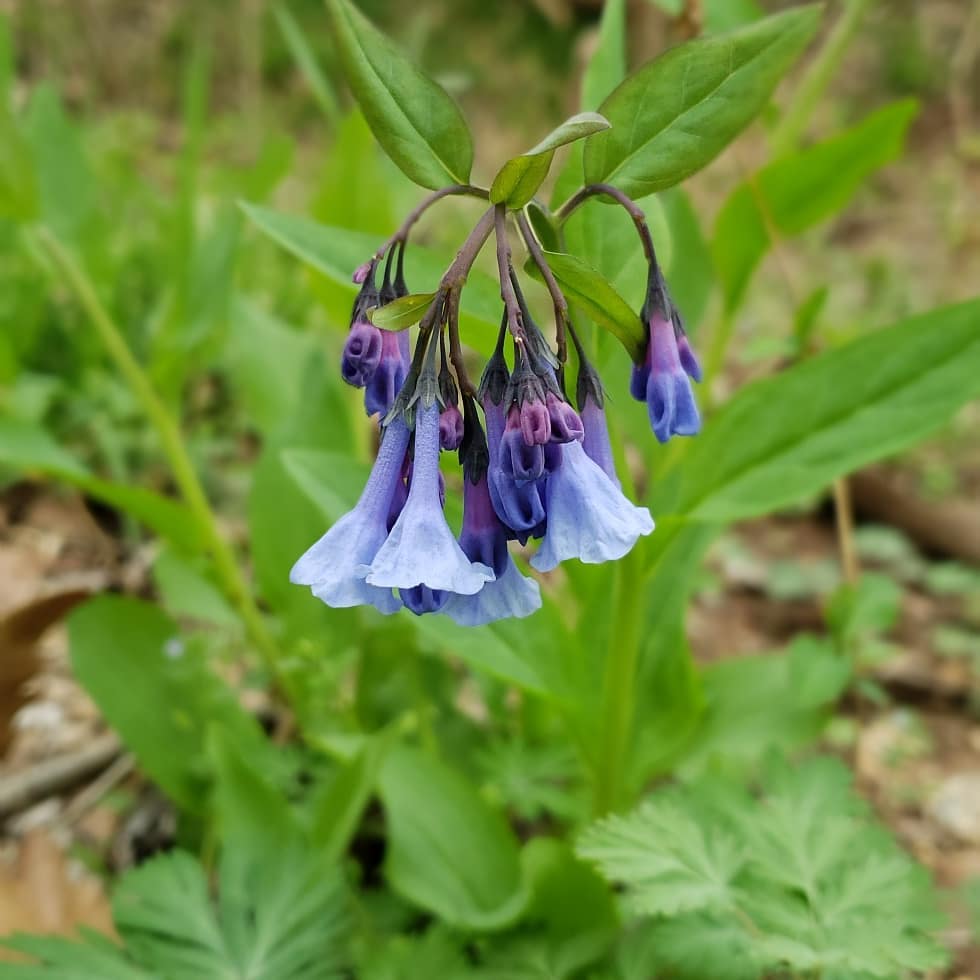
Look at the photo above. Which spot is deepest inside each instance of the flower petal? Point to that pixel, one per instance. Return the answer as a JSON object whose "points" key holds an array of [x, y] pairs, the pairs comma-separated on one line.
{"points": [[588, 516], [512, 595]]}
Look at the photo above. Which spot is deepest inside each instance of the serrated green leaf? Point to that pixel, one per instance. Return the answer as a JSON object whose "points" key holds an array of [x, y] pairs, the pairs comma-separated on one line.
{"points": [[520, 177], [402, 313], [59, 958], [670, 862], [795, 193], [417, 123], [850, 406], [589, 290], [279, 917], [676, 114], [447, 850], [817, 886]]}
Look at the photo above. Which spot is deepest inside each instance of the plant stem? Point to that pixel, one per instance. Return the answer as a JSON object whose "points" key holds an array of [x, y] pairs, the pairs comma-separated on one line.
{"points": [[791, 127], [467, 190], [844, 519], [515, 319], [631, 207], [618, 694], [557, 297], [226, 567]]}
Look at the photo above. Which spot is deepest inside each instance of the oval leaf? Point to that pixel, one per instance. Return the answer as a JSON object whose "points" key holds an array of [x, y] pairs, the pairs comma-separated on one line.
{"points": [[520, 177], [417, 123], [592, 293], [447, 850], [402, 313], [679, 111]]}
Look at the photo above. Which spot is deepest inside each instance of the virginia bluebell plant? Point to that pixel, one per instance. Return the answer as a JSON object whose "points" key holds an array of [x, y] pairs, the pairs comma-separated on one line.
{"points": [[533, 467]]}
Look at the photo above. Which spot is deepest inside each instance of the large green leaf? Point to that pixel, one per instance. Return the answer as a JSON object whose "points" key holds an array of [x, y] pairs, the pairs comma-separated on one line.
{"points": [[677, 113], [591, 292], [30, 449], [520, 177], [794, 193], [789, 436], [417, 123], [157, 692], [336, 252], [448, 851]]}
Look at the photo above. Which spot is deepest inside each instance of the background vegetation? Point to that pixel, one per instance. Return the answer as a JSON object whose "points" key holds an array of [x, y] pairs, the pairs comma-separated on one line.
{"points": [[271, 789]]}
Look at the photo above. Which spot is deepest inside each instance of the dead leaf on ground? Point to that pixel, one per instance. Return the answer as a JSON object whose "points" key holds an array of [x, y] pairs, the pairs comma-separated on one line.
{"points": [[20, 629], [42, 892]]}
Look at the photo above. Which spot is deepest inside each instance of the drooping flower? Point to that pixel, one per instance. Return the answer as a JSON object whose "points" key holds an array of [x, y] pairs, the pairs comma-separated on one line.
{"points": [[336, 566], [662, 378], [484, 539], [520, 506], [589, 518], [390, 374], [421, 549], [591, 402]]}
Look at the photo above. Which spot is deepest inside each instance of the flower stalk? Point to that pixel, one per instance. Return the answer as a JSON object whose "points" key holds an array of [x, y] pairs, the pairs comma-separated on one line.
{"points": [[226, 566]]}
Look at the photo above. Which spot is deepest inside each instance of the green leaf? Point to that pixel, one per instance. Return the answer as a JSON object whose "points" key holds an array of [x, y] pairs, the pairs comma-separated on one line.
{"points": [[753, 703], [448, 851], [520, 177], [59, 958], [306, 61], [572, 906], [265, 386], [786, 437], [690, 268], [248, 809], [594, 295], [797, 880], [187, 591], [678, 112], [340, 802], [279, 917], [402, 313], [607, 66], [670, 862], [795, 193], [29, 448], [156, 691], [416, 122], [336, 252]]}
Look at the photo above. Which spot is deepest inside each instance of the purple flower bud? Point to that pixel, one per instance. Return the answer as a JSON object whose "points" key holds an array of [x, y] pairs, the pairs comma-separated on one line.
{"points": [[421, 549], [566, 426], [390, 374], [588, 516], [450, 427], [336, 566], [535, 423], [668, 394], [521, 460], [689, 360], [596, 441], [362, 353], [363, 271]]}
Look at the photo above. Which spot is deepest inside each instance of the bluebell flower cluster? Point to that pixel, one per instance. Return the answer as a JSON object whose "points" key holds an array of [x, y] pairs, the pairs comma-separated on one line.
{"points": [[534, 468]]}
